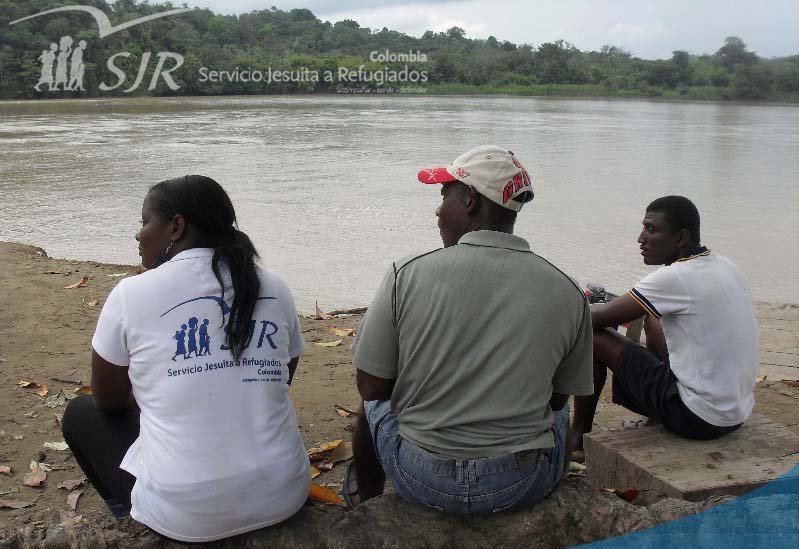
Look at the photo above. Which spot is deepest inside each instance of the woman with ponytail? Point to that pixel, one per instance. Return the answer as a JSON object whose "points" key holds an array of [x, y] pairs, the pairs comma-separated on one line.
{"points": [[199, 446]]}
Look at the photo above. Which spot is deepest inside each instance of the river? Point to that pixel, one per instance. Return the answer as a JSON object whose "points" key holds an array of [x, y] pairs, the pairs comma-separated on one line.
{"points": [[326, 185]]}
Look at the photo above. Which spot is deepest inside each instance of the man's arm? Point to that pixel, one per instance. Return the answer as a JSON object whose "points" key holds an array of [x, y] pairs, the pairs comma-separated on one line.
{"points": [[372, 387], [558, 401], [621, 310]]}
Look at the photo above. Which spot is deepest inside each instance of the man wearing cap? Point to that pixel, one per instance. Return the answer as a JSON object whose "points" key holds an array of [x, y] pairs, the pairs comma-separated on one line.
{"points": [[468, 354]]}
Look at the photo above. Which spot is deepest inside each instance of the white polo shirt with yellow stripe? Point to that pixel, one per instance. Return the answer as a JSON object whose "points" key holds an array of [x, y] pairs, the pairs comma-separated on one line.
{"points": [[705, 307]]}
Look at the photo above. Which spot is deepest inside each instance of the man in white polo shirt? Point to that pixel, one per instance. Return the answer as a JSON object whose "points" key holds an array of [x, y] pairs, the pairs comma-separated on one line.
{"points": [[696, 375], [468, 354]]}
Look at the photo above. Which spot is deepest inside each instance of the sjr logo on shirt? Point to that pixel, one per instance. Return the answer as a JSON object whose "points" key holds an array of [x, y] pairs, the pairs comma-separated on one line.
{"points": [[186, 338]]}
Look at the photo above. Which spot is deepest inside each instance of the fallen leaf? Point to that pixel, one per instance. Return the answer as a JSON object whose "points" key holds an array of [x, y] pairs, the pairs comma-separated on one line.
{"points": [[35, 478], [43, 466], [319, 315], [58, 446], [315, 472], [344, 412], [321, 494], [5, 470], [70, 485], [72, 499], [629, 495], [81, 284], [71, 521], [58, 399], [791, 383], [324, 466], [761, 379], [92, 303], [117, 275], [330, 343], [42, 392], [53, 272], [14, 504], [19, 437], [342, 452], [32, 413], [83, 390], [340, 332], [29, 384], [718, 456], [789, 394], [326, 447], [575, 467]]}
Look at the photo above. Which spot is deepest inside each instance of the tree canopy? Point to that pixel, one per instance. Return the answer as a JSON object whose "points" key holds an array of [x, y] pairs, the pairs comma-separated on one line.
{"points": [[277, 40]]}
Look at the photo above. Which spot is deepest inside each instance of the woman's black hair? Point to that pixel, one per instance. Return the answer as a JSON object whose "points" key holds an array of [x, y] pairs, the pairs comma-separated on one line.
{"points": [[207, 208]]}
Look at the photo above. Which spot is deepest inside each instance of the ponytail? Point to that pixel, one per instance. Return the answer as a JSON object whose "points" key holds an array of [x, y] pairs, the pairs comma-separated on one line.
{"points": [[236, 250], [207, 208]]}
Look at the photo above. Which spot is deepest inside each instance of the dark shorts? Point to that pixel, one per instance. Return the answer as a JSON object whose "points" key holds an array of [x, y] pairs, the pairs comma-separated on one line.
{"points": [[646, 385]]}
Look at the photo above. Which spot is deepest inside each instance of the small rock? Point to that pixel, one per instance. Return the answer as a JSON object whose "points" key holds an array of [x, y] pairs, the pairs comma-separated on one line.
{"points": [[56, 538]]}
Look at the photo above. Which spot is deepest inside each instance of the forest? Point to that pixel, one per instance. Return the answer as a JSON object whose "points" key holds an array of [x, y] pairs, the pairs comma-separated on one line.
{"points": [[296, 42]]}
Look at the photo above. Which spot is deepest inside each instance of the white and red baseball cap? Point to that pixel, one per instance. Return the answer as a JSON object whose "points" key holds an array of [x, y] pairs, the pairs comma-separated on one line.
{"points": [[492, 171]]}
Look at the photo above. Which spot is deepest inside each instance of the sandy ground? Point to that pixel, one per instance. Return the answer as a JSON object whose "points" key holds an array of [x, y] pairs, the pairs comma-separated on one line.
{"points": [[45, 337]]}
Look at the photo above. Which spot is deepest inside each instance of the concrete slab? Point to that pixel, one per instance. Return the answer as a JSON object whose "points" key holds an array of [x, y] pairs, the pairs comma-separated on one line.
{"points": [[656, 462]]}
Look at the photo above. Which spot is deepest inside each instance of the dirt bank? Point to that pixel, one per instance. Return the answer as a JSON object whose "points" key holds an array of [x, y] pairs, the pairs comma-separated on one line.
{"points": [[45, 337]]}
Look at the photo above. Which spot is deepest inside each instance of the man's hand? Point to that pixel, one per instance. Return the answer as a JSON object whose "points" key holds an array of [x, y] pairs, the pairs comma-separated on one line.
{"points": [[621, 310], [372, 387]]}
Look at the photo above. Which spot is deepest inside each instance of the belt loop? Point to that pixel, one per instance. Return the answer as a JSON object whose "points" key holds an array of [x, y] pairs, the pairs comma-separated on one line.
{"points": [[459, 471], [472, 471]]}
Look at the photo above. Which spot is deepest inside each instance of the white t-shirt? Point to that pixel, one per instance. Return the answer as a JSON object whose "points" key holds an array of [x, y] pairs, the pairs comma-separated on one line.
{"points": [[705, 307], [219, 452]]}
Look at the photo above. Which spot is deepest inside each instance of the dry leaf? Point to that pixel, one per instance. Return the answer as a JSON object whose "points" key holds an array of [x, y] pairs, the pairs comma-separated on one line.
{"points": [[92, 303], [35, 478], [791, 383], [14, 504], [321, 494], [344, 412], [341, 332], [82, 284], [326, 447], [71, 521], [761, 379], [315, 472], [58, 446], [330, 343], [19, 437], [789, 394], [43, 466], [53, 272], [117, 275], [32, 413], [58, 399], [5, 470], [70, 485], [42, 392], [29, 384], [83, 390], [72, 499], [342, 452], [324, 466], [319, 315], [629, 495]]}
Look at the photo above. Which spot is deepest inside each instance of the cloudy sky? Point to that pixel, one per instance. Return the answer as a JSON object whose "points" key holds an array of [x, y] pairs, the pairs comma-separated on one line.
{"points": [[648, 28]]}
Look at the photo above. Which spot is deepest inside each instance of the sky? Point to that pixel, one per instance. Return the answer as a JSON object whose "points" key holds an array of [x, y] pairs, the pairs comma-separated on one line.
{"points": [[650, 29]]}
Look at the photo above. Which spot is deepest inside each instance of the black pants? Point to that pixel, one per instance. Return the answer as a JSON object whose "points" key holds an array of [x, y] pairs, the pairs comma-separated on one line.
{"points": [[99, 441]]}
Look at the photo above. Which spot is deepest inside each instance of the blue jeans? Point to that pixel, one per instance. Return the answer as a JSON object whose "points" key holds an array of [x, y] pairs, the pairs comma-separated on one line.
{"points": [[466, 486]]}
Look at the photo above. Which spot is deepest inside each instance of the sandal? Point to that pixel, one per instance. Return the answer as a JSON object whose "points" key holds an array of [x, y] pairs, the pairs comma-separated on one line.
{"points": [[349, 490]]}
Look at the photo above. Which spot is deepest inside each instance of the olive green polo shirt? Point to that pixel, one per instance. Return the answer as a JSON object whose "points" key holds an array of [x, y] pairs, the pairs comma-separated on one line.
{"points": [[478, 336]]}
